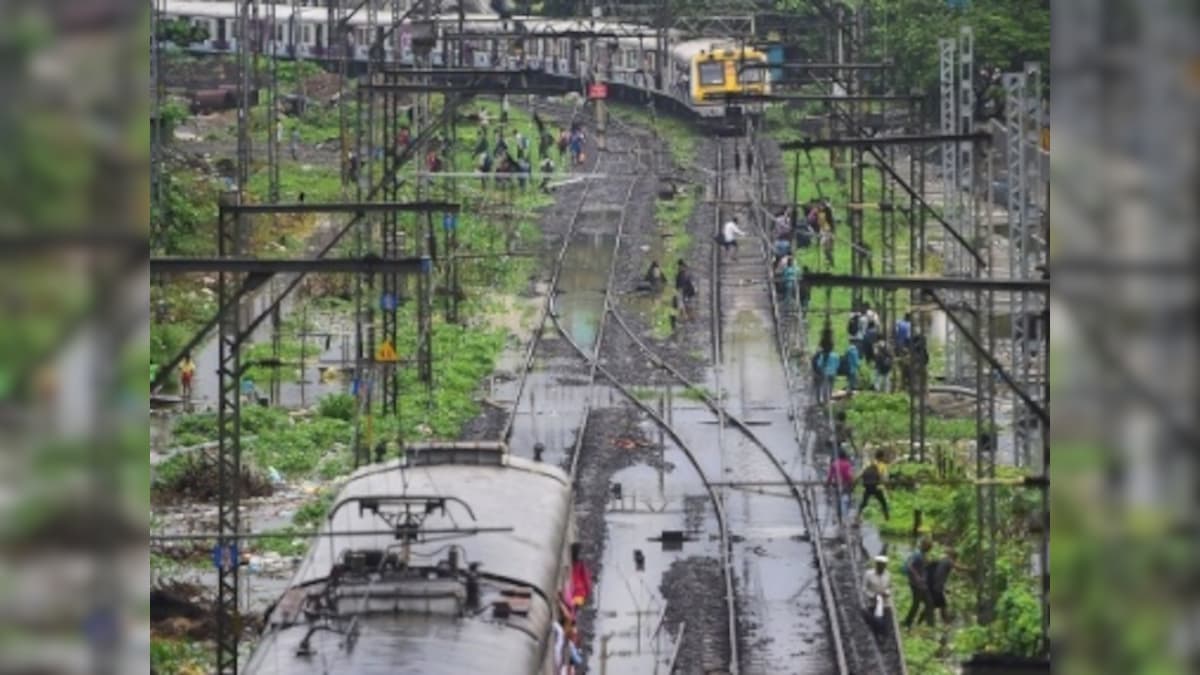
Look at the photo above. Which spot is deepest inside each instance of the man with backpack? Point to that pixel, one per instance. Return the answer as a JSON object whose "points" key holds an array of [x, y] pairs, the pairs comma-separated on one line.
{"points": [[883, 368], [869, 340], [686, 289], [937, 573], [851, 361], [872, 478], [902, 333], [854, 326], [827, 363], [915, 568]]}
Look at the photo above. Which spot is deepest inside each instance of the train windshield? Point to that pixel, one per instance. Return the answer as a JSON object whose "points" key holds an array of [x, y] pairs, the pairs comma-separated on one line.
{"points": [[751, 71], [712, 73]]}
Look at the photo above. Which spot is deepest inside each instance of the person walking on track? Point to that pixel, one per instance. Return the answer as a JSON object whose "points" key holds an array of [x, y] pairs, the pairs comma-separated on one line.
{"points": [[730, 231]]}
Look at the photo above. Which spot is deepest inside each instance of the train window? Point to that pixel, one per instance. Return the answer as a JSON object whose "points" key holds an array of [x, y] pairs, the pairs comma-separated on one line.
{"points": [[751, 72], [712, 73]]}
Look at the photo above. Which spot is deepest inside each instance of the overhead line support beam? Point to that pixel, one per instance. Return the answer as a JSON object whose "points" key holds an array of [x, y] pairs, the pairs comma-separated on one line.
{"points": [[341, 207], [927, 283], [874, 141]]}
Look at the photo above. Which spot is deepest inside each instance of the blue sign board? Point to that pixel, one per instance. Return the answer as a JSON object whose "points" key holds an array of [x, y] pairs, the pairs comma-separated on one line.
{"points": [[225, 557], [449, 221], [387, 302]]}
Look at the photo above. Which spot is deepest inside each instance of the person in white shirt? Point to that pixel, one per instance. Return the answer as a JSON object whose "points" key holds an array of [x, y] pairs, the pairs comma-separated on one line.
{"points": [[729, 234], [877, 593]]}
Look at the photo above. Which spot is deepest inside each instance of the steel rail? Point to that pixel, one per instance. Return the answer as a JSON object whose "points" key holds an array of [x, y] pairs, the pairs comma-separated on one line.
{"points": [[556, 273], [827, 590], [718, 506], [595, 368]]}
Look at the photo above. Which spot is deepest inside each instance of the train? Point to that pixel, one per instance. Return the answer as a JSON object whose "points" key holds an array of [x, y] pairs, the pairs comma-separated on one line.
{"points": [[452, 559], [711, 77]]}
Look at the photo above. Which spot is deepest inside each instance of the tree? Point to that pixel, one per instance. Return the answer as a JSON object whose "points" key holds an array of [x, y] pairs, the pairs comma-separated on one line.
{"points": [[1008, 33], [181, 32]]}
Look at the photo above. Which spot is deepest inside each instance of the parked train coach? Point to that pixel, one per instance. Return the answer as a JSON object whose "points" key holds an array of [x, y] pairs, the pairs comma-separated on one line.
{"points": [[449, 561], [700, 73]]}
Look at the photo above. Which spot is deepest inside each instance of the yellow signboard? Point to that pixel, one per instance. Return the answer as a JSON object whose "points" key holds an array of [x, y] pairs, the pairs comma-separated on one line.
{"points": [[386, 352]]}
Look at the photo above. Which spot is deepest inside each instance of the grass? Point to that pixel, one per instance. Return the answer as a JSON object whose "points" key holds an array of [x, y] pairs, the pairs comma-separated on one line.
{"points": [[181, 656], [289, 541], [681, 139], [948, 516]]}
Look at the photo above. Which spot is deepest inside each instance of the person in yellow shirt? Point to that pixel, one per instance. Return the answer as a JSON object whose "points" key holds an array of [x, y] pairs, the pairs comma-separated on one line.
{"points": [[187, 371], [873, 478]]}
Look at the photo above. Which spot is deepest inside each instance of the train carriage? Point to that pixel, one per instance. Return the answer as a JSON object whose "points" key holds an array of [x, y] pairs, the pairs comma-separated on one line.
{"points": [[699, 73], [450, 561], [716, 70]]}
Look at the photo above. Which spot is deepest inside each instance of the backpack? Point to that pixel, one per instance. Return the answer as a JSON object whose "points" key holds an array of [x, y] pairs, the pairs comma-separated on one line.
{"points": [[870, 475], [844, 367], [853, 324], [804, 236], [883, 361], [817, 365]]}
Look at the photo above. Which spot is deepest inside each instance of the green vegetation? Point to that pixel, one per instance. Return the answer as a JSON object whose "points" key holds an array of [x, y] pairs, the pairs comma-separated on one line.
{"points": [[1008, 33], [884, 418], [313, 512], [290, 351], [679, 136], [942, 490], [181, 32], [181, 657], [817, 178], [288, 541]]}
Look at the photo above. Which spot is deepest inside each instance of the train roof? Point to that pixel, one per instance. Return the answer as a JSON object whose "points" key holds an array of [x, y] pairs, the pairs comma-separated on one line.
{"points": [[283, 12], [414, 622], [403, 645], [495, 492], [688, 49]]}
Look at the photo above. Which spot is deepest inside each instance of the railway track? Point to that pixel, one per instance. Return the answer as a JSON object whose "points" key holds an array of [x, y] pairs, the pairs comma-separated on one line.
{"points": [[859, 647], [596, 370]]}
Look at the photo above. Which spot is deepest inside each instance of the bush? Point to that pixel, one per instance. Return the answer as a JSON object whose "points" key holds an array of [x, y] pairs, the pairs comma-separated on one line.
{"points": [[337, 406]]}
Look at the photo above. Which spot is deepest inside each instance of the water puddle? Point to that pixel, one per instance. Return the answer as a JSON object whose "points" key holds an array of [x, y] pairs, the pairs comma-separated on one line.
{"points": [[580, 302], [629, 633]]}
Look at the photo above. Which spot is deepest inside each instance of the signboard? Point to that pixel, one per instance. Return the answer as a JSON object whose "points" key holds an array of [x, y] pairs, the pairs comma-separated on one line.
{"points": [[387, 302], [597, 90], [225, 557], [449, 221], [405, 40], [386, 352]]}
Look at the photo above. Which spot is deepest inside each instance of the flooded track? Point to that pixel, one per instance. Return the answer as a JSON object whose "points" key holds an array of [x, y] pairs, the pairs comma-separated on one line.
{"points": [[662, 599]]}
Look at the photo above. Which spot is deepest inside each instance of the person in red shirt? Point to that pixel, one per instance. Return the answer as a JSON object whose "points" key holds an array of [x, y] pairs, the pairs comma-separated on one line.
{"points": [[841, 480], [581, 577]]}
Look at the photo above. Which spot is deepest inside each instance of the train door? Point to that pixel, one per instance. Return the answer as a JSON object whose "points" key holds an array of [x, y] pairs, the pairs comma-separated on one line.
{"points": [[222, 33]]}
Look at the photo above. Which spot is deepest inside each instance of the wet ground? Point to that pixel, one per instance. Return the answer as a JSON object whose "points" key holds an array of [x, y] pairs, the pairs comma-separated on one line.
{"points": [[844, 555], [780, 609]]}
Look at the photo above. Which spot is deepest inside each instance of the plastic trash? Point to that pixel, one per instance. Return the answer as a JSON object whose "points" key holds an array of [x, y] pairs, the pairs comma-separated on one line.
{"points": [[273, 476]]}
